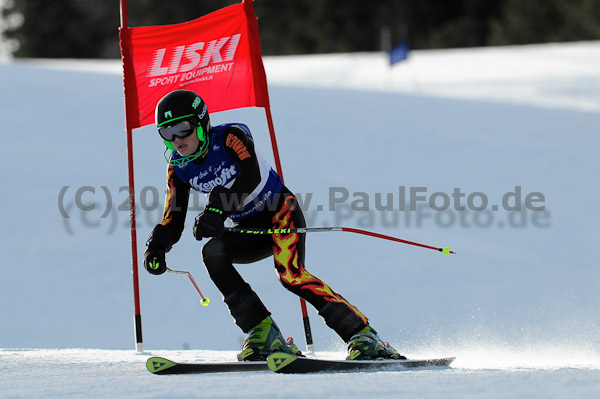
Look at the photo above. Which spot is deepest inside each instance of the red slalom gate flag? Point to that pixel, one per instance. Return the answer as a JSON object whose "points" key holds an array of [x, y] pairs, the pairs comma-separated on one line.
{"points": [[217, 55]]}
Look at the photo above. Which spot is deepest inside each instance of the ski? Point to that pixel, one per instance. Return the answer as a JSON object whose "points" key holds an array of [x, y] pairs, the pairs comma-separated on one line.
{"points": [[290, 364], [285, 363], [159, 365]]}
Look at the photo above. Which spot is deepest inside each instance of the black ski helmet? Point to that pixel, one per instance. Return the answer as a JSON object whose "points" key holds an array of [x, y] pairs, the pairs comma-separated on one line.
{"points": [[184, 105], [181, 105]]}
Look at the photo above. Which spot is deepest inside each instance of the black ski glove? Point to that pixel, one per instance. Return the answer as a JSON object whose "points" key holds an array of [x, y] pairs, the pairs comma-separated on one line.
{"points": [[158, 244], [154, 261], [211, 222]]}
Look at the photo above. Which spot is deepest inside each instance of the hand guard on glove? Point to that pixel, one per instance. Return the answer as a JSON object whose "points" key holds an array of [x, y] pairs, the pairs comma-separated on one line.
{"points": [[211, 222], [154, 261], [158, 244]]}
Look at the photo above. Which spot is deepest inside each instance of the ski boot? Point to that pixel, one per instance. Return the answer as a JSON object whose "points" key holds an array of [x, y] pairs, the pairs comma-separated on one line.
{"points": [[264, 339], [366, 345]]}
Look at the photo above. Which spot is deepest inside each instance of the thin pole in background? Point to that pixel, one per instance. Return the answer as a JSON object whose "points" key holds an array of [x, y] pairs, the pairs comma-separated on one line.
{"points": [[139, 345]]}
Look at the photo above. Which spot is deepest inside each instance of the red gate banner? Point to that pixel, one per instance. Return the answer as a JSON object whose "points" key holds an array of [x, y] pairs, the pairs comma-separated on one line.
{"points": [[217, 55]]}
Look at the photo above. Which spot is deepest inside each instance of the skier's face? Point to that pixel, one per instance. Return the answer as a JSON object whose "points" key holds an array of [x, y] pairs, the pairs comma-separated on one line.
{"points": [[187, 145]]}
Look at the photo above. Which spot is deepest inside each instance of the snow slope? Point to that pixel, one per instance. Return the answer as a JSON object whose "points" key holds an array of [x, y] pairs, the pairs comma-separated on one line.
{"points": [[519, 304], [78, 373]]}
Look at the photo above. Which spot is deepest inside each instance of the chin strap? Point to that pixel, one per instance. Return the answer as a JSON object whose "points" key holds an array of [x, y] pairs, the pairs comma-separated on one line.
{"points": [[202, 149]]}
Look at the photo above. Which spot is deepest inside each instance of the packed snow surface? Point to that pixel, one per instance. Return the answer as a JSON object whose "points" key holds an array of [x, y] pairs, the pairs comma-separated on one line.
{"points": [[518, 305]]}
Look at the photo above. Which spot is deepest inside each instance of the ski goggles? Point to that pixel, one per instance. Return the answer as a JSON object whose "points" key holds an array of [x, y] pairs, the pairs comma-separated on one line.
{"points": [[181, 130]]}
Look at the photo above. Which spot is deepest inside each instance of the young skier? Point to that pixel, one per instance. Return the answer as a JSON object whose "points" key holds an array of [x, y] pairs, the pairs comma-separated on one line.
{"points": [[221, 161]]}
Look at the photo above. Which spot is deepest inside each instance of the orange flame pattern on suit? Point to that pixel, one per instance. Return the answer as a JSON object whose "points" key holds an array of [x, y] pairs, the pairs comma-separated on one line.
{"points": [[167, 216], [291, 271]]}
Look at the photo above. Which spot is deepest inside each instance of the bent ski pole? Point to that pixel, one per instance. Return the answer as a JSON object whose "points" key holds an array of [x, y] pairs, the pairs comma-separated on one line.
{"points": [[300, 230], [205, 300]]}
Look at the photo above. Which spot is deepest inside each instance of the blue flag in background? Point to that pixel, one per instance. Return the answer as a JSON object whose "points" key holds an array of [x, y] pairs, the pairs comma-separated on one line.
{"points": [[399, 53]]}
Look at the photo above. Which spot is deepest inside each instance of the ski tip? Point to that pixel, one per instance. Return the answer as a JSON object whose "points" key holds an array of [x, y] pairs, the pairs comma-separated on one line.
{"points": [[157, 365], [277, 361]]}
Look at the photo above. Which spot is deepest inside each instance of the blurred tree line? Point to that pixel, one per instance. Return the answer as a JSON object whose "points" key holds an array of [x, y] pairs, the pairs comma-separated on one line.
{"points": [[88, 28]]}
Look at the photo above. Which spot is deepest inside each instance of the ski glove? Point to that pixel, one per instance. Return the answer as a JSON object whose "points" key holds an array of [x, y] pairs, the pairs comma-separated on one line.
{"points": [[211, 222], [154, 261], [158, 244]]}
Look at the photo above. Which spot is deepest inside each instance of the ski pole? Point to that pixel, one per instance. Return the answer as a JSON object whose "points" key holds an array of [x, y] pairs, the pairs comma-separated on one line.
{"points": [[446, 251], [205, 300]]}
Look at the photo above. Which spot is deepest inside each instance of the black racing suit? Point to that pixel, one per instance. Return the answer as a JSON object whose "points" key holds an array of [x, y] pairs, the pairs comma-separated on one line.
{"points": [[220, 253]]}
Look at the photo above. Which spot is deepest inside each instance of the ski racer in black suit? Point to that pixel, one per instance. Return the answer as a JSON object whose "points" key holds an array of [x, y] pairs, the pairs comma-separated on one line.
{"points": [[221, 161]]}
